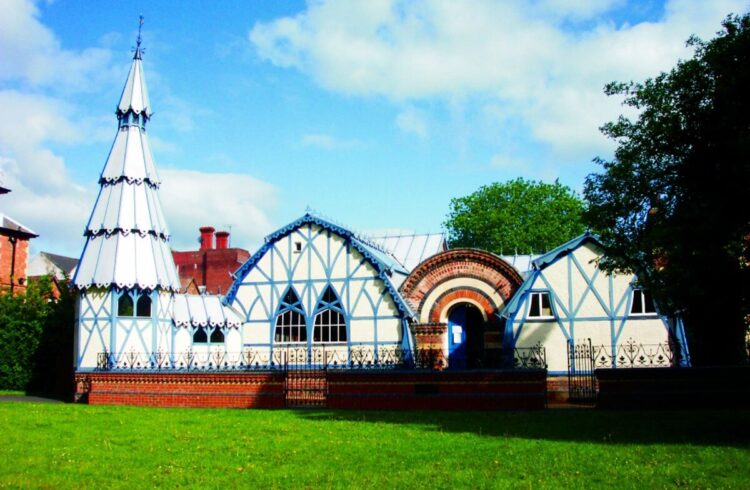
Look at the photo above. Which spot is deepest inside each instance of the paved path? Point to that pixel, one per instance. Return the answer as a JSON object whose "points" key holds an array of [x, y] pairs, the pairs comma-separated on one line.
{"points": [[28, 399]]}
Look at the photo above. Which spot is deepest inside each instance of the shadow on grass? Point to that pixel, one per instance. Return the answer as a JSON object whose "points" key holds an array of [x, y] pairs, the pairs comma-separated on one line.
{"points": [[709, 428]]}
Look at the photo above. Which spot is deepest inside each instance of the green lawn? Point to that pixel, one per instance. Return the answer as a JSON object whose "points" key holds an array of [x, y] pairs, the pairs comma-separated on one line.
{"points": [[60, 445]]}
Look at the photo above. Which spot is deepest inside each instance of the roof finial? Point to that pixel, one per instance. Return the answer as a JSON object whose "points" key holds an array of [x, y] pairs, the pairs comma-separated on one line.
{"points": [[139, 39]]}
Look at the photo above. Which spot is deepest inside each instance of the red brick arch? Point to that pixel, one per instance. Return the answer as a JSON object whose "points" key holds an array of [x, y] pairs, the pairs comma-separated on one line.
{"points": [[455, 264]]}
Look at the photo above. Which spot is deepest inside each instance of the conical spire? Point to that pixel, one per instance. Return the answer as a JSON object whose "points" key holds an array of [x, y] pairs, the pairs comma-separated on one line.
{"points": [[127, 239]]}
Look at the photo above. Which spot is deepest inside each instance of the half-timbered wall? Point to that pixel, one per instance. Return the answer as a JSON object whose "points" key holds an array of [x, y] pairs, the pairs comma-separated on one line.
{"points": [[306, 260], [585, 303]]}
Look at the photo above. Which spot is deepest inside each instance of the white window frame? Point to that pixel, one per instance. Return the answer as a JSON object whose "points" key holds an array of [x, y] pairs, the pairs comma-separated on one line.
{"points": [[642, 292], [538, 314]]}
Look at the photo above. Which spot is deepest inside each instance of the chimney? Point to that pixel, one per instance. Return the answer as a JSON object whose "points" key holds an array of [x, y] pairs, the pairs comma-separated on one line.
{"points": [[207, 237], [222, 240]]}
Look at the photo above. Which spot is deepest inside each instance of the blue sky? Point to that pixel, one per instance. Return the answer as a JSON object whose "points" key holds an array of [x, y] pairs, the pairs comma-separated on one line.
{"points": [[373, 113]]}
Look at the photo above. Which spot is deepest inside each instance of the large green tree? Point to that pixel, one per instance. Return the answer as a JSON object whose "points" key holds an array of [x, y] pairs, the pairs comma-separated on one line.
{"points": [[673, 202], [520, 216]]}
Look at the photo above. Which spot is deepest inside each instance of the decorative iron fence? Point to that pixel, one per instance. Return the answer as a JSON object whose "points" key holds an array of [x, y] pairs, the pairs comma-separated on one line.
{"points": [[634, 355], [357, 357]]}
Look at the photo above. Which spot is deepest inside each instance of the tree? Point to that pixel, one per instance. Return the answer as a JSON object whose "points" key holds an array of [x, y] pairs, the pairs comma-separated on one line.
{"points": [[518, 216], [673, 203]]}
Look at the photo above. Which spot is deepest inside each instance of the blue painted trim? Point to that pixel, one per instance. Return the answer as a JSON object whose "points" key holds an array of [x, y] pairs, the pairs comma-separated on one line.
{"points": [[376, 259]]}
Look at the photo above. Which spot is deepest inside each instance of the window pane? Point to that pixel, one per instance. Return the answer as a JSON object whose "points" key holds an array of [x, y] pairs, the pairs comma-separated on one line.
{"points": [[217, 336], [534, 311], [546, 308], [648, 303], [125, 305], [200, 337], [143, 307], [637, 302]]}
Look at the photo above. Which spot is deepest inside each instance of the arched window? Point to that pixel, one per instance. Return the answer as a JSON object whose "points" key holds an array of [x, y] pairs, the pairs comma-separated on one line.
{"points": [[201, 335], [290, 320], [143, 306], [125, 305], [330, 325]]}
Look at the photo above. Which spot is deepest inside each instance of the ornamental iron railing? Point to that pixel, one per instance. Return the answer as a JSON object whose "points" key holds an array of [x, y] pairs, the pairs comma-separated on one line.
{"points": [[316, 357], [632, 354]]}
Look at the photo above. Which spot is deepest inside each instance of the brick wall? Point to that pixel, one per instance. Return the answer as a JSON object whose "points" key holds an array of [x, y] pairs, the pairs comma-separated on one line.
{"points": [[497, 390], [205, 390], [210, 268], [6, 254]]}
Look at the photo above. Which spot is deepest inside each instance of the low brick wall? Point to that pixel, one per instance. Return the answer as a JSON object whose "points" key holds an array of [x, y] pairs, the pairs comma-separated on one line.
{"points": [[718, 387], [469, 390], [226, 390]]}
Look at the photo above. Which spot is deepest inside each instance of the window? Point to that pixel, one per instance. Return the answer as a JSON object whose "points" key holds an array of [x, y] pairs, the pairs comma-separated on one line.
{"points": [[297, 247], [540, 306], [643, 303], [125, 305], [201, 335], [330, 325], [290, 320], [143, 306]]}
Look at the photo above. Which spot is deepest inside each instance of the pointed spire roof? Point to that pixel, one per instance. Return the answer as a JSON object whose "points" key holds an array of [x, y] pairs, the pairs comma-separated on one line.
{"points": [[127, 238], [135, 95]]}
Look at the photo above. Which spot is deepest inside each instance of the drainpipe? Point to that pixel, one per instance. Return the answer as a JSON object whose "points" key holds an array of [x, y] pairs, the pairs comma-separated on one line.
{"points": [[12, 241]]}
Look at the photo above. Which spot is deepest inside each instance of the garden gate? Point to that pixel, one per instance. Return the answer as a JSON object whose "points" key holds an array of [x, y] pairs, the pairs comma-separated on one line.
{"points": [[581, 379]]}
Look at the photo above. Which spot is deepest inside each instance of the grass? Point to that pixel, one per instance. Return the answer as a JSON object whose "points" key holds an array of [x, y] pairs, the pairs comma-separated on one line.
{"points": [[64, 446], [12, 393]]}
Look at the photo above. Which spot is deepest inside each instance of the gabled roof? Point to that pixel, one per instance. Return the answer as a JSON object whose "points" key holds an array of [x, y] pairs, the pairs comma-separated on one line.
{"points": [[544, 260], [511, 308], [412, 250], [522, 263], [9, 226], [384, 263]]}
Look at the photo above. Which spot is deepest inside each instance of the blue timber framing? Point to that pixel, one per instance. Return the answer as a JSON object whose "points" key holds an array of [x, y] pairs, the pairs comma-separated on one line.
{"points": [[617, 311], [282, 272]]}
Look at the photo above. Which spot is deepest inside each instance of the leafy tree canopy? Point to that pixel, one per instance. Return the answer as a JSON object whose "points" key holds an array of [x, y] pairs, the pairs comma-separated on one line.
{"points": [[518, 216], [673, 202]]}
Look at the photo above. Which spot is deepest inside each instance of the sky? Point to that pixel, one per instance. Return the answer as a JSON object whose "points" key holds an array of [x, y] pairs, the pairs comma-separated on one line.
{"points": [[374, 114]]}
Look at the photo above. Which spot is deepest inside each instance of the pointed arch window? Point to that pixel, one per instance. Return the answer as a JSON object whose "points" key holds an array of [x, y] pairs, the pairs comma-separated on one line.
{"points": [[202, 335], [143, 305], [330, 324], [125, 304], [290, 320]]}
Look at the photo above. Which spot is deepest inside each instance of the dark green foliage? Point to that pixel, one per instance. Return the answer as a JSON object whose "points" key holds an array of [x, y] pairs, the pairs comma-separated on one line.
{"points": [[518, 216], [36, 338], [673, 203]]}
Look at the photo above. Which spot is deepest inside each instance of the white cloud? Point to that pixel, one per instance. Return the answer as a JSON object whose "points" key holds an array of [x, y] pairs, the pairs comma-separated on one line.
{"points": [[32, 53], [328, 142], [412, 120], [516, 54], [192, 199]]}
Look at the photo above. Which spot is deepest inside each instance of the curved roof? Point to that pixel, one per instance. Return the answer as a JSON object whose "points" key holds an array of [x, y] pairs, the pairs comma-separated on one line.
{"points": [[384, 263], [203, 310]]}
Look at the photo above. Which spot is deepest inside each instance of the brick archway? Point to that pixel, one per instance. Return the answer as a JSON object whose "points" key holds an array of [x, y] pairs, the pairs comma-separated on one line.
{"points": [[463, 274]]}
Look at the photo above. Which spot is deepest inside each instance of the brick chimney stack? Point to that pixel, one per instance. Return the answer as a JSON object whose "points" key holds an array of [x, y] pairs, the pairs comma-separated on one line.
{"points": [[207, 237], [222, 240]]}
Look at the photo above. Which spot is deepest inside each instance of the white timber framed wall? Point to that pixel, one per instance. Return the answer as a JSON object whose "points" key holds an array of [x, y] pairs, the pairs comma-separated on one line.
{"points": [[293, 271], [567, 298]]}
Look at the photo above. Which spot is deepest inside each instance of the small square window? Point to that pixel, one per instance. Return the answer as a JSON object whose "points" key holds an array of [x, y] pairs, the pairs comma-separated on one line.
{"points": [[297, 247], [541, 306], [643, 303]]}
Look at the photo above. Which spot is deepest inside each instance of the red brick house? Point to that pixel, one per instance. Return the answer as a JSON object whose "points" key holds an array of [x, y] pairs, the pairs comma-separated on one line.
{"points": [[210, 267], [14, 251]]}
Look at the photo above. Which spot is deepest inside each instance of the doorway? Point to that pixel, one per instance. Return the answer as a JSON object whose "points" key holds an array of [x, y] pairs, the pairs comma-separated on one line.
{"points": [[465, 337]]}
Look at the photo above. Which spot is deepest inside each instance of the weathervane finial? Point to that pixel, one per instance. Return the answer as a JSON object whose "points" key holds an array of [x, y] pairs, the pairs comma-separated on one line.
{"points": [[138, 41]]}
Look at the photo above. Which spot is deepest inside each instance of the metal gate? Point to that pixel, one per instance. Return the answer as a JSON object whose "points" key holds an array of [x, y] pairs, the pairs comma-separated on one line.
{"points": [[305, 383], [581, 379]]}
